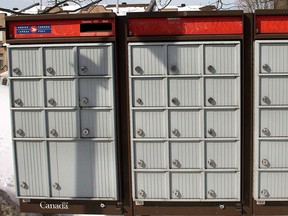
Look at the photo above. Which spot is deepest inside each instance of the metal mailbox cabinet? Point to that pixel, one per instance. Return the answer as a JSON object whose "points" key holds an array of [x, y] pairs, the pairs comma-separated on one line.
{"points": [[185, 105], [63, 108]]}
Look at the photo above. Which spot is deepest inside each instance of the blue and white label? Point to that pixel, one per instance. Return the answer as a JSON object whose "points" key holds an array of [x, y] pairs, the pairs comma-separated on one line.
{"points": [[34, 29]]}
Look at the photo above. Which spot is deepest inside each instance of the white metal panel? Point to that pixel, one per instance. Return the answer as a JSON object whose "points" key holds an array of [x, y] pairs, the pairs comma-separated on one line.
{"points": [[222, 92], [186, 185], [148, 92], [27, 93], [27, 60], [150, 155], [221, 123], [222, 58], [60, 93], [95, 61], [273, 90], [28, 124], [32, 169], [149, 124], [185, 92], [273, 154], [222, 155], [59, 61], [273, 57], [148, 60], [62, 124], [184, 59], [185, 155], [83, 169], [273, 123], [273, 185], [150, 185], [98, 123], [222, 185], [185, 123], [95, 92]]}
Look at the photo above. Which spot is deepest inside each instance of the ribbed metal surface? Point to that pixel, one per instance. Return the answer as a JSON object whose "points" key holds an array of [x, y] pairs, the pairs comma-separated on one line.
{"points": [[223, 58], [62, 60], [150, 122], [97, 91], [222, 155], [276, 121], [91, 165], [223, 91], [96, 60], [223, 184], [63, 122], [150, 59], [223, 124], [275, 88], [275, 152], [153, 185], [188, 154], [188, 185], [187, 59], [185, 91], [150, 155], [62, 92], [187, 123], [28, 91], [32, 168], [274, 55], [30, 122], [149, 91], [275, 183], [28, 60], [98, 122]]}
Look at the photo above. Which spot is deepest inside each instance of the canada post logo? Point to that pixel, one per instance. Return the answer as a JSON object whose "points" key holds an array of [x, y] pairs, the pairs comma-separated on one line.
{"points": [[33, 29]]}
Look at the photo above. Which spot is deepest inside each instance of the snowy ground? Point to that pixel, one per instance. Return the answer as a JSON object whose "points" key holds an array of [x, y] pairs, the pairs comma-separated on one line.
{"points": [[7, 182]]}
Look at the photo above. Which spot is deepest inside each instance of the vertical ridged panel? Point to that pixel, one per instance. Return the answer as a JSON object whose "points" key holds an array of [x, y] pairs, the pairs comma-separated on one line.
{"points": [[189, 185], [96, 60], [275, 88], [32, 168], [153, 185], [27, 60], [186, 91], [150, 122], [150, 92], [223, 124], [151, 153], [276, 183], [224, 154], [225, 59], [186, 122], [275, 56], [151, 59], [62, 60], [225, 185], [30, 122], [185, 58], [187, 153], [97, 91], [64, 122], [275, 152], [276, 121], [62, 91], [99, 123], [28, 91], [224, 92]]}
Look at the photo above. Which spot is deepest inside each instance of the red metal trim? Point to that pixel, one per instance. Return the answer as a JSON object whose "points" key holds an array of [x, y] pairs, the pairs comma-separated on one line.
{"points": [[185, 26], [57, 29], [271, 24]]}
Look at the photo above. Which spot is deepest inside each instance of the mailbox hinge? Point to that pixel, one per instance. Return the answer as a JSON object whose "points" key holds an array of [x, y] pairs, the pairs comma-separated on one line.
{"points": [[239, 207]]}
